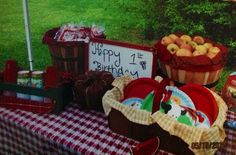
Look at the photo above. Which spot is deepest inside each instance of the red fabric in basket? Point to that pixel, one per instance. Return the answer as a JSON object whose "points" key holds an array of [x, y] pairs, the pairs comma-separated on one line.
{"points": [[148, 147], [48, 38]]}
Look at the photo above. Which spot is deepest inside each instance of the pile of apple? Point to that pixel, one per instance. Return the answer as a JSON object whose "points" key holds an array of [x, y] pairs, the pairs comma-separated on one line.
{"points": [[185, 45]]}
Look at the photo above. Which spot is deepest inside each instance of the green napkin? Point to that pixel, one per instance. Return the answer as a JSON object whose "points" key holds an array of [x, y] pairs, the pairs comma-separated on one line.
{"points": [[148, 102]]}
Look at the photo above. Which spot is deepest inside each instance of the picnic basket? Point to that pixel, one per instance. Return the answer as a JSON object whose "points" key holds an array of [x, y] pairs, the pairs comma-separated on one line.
{"points": [[142, 125]]}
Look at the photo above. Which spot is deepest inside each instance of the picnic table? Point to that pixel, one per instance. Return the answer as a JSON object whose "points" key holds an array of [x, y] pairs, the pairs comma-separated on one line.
{"points": [[74, 131]]}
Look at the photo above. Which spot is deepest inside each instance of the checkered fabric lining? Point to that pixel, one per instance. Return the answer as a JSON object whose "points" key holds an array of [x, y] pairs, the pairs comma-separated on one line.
{"points": [[72, 132]]}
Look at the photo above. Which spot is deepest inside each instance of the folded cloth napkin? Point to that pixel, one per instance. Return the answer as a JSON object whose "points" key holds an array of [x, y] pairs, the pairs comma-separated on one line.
{"points": [[149, 147]]}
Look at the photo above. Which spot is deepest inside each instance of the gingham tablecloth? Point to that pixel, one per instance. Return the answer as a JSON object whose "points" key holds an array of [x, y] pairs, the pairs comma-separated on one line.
{"points": [[72, 132], [229, 147]]}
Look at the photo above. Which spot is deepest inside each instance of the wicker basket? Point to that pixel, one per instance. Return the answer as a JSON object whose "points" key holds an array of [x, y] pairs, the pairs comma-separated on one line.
{"points": [[198, 69], [174, 137], [66, 56], [206, 78]]}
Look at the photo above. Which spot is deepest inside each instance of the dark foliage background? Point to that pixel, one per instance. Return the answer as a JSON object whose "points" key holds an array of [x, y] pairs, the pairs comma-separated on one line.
{"points": [[213, 19]]}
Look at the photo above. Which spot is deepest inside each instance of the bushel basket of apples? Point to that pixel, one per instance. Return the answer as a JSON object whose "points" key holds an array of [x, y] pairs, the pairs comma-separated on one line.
{"points": [[191, 59]]}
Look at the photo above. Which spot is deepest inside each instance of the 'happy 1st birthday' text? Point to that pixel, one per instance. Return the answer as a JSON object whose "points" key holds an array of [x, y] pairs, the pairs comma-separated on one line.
{"points": [[110, 60]]}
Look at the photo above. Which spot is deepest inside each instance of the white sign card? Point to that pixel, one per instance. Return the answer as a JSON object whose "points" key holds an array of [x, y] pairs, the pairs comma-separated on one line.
{"points": [[121, 58]]}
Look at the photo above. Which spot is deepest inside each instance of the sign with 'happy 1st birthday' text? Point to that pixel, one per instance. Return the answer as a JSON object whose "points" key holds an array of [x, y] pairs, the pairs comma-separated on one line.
{"points": [[121, 58]]}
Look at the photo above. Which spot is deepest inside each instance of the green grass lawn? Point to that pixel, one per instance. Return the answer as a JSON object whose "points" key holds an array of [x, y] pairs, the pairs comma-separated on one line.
{"points": [[46, 14]]}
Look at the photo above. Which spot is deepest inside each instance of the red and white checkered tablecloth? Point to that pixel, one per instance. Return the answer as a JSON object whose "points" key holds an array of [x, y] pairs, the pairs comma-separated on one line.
{"points": [[229, 147], [72, 132]]}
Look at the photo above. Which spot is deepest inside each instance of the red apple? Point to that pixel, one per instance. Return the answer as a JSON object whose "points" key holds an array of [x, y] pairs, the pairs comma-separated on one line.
{"points": [[186, 38], [179, 41], [202, 49], [196, 53], [166, 41], [187, 46], [198, 40], [208, 45], [173, 37], [172, 48], [193, 44], [213, 51], [184, 52]]}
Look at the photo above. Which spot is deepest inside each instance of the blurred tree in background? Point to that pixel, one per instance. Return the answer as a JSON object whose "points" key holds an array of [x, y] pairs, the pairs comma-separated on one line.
{"points": [[214, 19]]}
